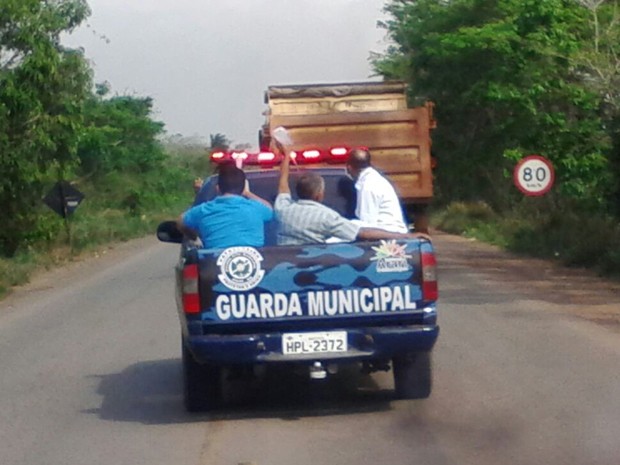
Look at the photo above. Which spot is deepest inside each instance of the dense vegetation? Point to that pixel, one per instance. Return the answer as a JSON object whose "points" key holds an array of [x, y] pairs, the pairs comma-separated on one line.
{"points": [[512, 78], [56, 125]]}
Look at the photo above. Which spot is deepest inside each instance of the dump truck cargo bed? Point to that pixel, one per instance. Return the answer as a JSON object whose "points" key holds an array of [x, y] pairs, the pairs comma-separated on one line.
{"points": [[371, 115]]}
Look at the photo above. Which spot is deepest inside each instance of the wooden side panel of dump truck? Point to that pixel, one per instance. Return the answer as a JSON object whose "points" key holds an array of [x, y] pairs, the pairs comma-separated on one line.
{"points": [[370, 114]]}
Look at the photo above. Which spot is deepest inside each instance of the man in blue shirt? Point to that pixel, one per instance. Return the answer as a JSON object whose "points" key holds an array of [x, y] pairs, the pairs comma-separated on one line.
{"points": [[236, 217]]}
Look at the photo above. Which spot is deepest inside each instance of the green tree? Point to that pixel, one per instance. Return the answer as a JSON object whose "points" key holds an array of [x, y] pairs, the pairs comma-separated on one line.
{"points": [[120, 153], [219, 141], [503, 77], [597, 65], [42, 89], [119, 135]]}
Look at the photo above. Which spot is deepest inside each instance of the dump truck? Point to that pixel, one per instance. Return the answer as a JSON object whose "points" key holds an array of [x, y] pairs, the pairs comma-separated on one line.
{"points": [[325, 120]]}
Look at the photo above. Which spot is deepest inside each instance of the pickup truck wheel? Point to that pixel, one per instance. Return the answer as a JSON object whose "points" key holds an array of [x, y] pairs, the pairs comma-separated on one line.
{"points": [[202, 384], [413, 375]]}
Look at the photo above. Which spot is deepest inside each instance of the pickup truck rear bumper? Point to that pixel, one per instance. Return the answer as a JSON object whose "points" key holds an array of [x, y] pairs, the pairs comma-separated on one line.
{"points": [[375, 343]]}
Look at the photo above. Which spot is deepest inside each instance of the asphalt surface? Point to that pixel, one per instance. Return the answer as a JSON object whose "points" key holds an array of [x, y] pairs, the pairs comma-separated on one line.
{"points": [[527, 371]]}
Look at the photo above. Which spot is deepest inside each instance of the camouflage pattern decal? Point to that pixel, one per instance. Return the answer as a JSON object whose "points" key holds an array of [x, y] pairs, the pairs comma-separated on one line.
{"points": [[319, 280]]}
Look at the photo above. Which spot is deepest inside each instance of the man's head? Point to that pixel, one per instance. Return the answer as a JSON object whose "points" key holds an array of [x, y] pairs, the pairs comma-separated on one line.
{"points": [[358, 161], [311, 186], [230, 180]]}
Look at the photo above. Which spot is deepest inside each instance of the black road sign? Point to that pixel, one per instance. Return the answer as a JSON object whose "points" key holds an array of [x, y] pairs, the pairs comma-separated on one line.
{"points": [[63, 198]]}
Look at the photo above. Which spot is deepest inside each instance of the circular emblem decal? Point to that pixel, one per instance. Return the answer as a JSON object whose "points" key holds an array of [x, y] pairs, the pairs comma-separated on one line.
{"points": [[240, 268]]}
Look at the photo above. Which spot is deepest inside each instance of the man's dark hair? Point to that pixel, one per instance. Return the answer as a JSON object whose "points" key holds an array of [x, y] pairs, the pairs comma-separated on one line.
{"points": [[359, 158], [309, 185], [230, 180]]}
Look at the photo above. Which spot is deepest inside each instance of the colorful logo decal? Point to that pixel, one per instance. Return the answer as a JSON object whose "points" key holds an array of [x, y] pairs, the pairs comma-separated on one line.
{"points": [[240, 268], [391, 257]]}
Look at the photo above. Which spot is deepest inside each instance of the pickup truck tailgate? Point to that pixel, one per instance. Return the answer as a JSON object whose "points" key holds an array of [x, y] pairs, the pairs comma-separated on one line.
{"points": [[243, 286]]}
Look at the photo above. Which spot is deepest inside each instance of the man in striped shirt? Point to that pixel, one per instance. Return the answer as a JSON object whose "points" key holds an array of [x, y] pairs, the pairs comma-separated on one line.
{"points": [[308, 221]]}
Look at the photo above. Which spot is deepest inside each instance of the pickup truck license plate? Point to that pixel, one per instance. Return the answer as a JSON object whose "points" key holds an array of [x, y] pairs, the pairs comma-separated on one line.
{"points": [[314, 343]]}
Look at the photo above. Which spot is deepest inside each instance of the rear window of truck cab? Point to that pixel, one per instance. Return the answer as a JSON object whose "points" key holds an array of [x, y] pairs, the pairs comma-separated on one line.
{"points": [[339, 188]]}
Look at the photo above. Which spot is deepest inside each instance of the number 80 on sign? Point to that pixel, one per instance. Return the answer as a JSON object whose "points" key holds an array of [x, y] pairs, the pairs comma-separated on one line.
{"points": [[534, 175]]}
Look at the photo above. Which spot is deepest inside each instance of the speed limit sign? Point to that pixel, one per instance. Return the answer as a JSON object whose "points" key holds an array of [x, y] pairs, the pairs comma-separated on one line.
{"points": [[534, 175]]}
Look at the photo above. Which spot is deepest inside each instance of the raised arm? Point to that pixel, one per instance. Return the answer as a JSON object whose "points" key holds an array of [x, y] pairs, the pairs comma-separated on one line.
{"points": [[283, 187], [374, 234]]}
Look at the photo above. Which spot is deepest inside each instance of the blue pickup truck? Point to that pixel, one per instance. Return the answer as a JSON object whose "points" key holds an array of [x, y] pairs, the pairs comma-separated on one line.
{"points": [[317, 306]]}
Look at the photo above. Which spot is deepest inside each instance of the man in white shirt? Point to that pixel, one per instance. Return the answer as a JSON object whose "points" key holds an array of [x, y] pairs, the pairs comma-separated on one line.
{"points": [[377, 203]]}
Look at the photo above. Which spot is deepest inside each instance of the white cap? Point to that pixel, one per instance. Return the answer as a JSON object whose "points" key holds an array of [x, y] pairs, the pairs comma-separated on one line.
{"points": [[281, 135]]}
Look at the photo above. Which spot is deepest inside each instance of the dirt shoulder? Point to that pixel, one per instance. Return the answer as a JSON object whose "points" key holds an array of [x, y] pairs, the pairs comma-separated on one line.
{"points": [[577, 291]]}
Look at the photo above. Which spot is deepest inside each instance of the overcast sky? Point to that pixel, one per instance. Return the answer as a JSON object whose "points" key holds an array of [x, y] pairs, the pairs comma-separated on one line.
{"points": [[207, 63]]}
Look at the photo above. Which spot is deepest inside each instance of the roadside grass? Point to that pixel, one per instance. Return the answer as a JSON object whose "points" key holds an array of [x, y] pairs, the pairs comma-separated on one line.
{"points": [[118, 208], [91, 230], [572, 238], [15, 271]]}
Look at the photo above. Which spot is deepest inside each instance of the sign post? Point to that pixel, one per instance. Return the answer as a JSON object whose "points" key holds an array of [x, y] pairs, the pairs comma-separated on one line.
{"points": [[64, 199], [534, 175]]}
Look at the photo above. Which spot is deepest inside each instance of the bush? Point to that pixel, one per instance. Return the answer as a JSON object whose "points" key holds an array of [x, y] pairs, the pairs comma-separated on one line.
{"points": [[459, 217], [574, 237]]}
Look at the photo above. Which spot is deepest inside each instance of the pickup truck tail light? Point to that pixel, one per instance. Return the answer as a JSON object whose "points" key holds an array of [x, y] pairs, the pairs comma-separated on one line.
{"points": [[430, 291], [191, 298]]}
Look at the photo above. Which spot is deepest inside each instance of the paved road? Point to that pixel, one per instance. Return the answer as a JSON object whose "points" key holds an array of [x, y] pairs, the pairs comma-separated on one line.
{"points": [[89, 360]]}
